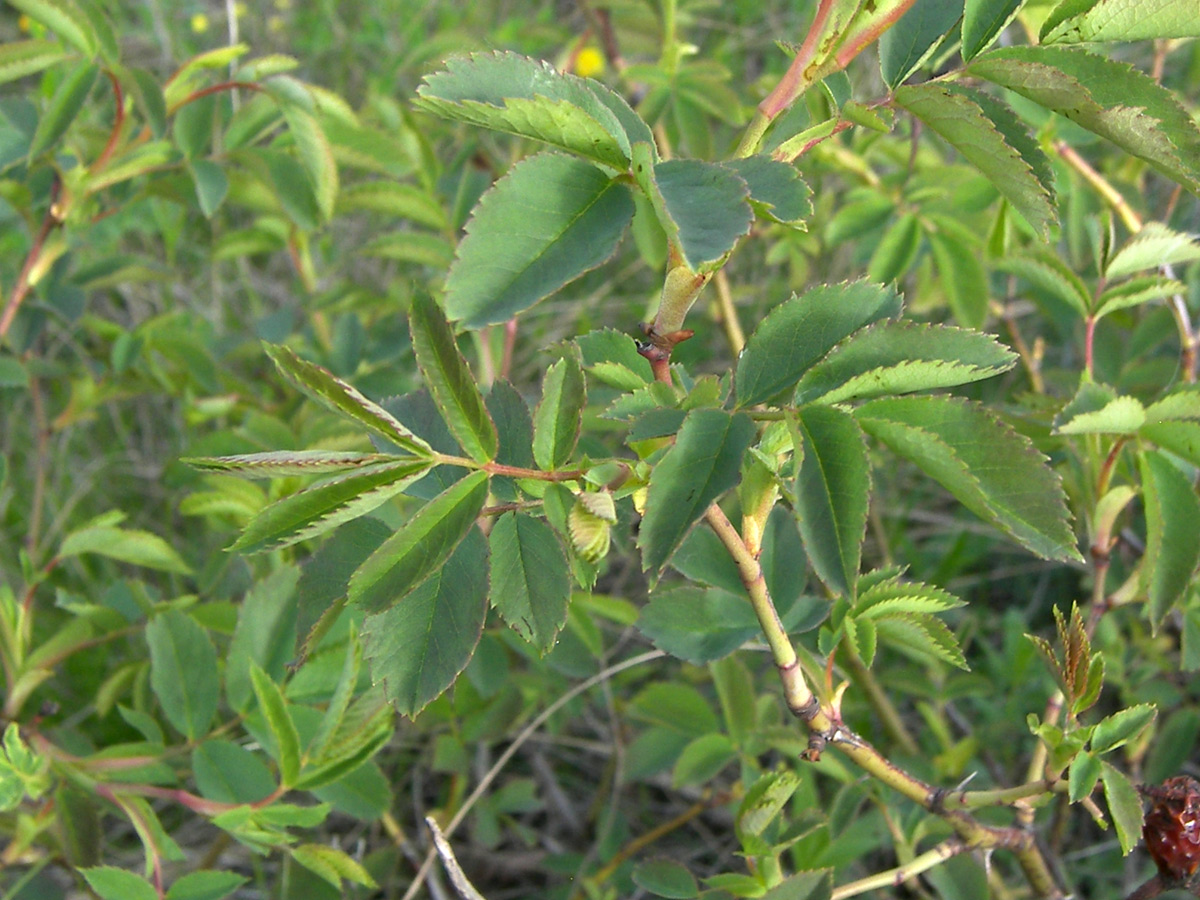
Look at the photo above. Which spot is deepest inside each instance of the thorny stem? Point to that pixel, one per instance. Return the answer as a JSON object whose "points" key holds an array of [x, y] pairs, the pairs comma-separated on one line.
{"points": [[895, 877]]}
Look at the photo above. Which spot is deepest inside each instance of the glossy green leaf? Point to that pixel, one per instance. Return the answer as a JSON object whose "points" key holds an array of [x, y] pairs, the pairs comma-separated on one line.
{"points": [[64, 106], [449, 380], [140, 548], [1125, 804], [204, 885], [111, 883], [282, 463], [22, 58], [418, 647], [697, 624], [1172, 533], [274, 707], [703, 464], [1155, 245], [833, 488], [423, 544], [1074, 22], [800, 331], [65, 19], [908, 43], [1107, 97], [531, 580], [507, 92], [324, 506], [896, 357], [993, 470], [1121, 727], [183, 672], [703, 207], [666, 878], [776, 189], [953, 114], [559, 415], [983, 20], [339, 397]]}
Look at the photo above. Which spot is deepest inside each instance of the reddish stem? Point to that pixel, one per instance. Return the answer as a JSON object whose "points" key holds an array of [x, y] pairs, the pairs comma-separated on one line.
{"points": [[216, 89], [1088, 346], [21, 288], [118, 122]]}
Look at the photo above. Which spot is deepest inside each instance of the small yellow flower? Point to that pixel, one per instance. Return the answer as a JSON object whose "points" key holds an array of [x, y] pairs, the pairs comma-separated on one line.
{"points": [[24, 24], [589, 62], [199, 23]]}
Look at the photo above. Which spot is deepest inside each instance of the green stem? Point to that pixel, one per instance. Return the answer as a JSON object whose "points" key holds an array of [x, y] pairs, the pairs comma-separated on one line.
{"points": [[895, 877]]}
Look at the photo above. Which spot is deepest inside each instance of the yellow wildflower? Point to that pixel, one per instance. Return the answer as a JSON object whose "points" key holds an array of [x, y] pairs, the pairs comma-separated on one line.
{"points": [[589, 62], [199, 23]]}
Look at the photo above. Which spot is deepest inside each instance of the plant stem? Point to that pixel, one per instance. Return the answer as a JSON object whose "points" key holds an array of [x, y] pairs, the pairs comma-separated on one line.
{"points": [[729, 316], [1100, 185], [23, 284], [947, 849], [880, 702]]}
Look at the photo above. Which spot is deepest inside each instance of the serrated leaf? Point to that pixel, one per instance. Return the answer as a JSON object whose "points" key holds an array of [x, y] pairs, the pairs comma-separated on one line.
{"points": [[423, 544], [1119, 415], [953, 114], [897, 357], [703, 464], [64, 106], [607, 347], [22, 58], [139, 548], [666, 878], [1137, 291], [1084, 773], [923, 634], [896, 250], [1172, 533], [994, 471], [908, 43], [508, 92], [449, 381], [776, 189], [892, 597], [833, 487], [1183, 402], [111, 883], [703, 207], [1125, 804], [316, 156], [983, 20], [1181, 438], [697, 624], [282, 463], [1107, 97], [559, 415], [324, 506], [800, 331], [418, 647], [531, 579], [183, 672], [204, 885], [1121, 727], [274, 708], [961, 275], [332, 864], [1120, 20], [395, 199], [1155, 245], [548, 221]]}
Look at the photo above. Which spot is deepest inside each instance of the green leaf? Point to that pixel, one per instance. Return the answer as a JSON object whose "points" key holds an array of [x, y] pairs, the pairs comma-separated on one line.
{"points": [[559, 416], [12, 373], [1050, 273], [894, 597], [697, 624], [1122, 727], [962, 276], [22, 58], [1125, 804], [282, 463], [666, 878], [896, 357], [1137, 291], [803, 329], [322, 507], [112, 883], [507, 92], [343, 692], [279, 720], [339, 397], [229, 773], [1120, 415], [957, 117], [1172, 533], [548, 221], [423, 544], [923, 636], [211, 185], [332, 864], [994, 471], [1155, 245], [141, 548], [1084, 773], [833, 486], [983, 20], [265, 633], [1183, 402], [703, 464], [65, 19], [183, 672], [702, 760], [913, 39], [316, 156], [765, 800], [394, 199], [814, 884], [364, 730], [531, 580], [896, 251], [777, 191], [1181, 438], [703, 207], [449, 381], [613, 358], [419, 646], [66, 103], [1074, 22], [205, 885], [1107, 97]]}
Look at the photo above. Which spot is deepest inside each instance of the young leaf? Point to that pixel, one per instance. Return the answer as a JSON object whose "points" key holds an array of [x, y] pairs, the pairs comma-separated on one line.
{"points": [[1084, 773], [325, 506], [183, 672], [1125, 805], [332, 864], [922, 635], [1121, 727], [994, 471], [1118, 415], [1137, 291], [833, 487], [1107, 97], [803, 329], [1120, 20], [955, 115], [347, 682], [559, 416], [418, 647], [776, 189], [449, 381], [507, 92], [896, 357], [703, 207], [339, 397], [918, 33], [282, 463], [548, 221], [423, 544], [141, 548], [1155, 245], [983, 20], [1172, 533], [531, 580], [279, 720], [703, 464]]}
